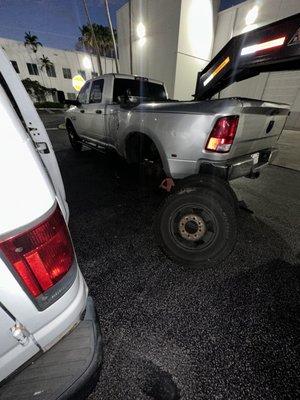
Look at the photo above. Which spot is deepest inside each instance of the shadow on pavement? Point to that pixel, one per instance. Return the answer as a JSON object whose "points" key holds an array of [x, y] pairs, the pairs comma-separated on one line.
{"points": [[227, 332]]}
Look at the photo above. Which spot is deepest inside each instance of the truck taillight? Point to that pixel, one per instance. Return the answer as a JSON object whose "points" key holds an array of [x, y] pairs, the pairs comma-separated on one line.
{"points": [[222, 135], [42, 255]]}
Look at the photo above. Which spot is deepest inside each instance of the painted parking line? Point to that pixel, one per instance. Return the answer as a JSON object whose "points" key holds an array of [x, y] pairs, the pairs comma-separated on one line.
{"points": [[56, 128]]}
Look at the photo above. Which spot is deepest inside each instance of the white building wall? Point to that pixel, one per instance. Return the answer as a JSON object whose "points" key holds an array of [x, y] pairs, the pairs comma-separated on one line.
{"points": [[195, 43], [183, 35], [73, 60], [154, 56], [277, 86], [177, 45]]}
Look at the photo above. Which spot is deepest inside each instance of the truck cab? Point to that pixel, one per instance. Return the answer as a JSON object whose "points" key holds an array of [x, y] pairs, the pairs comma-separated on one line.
{"points": [[93, 116]]}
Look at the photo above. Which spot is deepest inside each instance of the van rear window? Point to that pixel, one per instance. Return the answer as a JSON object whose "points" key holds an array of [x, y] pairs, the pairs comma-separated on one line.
{"points": [[12, 99]]}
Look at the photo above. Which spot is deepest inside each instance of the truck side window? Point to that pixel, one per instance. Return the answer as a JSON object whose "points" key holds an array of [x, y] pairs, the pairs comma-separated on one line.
{"points": [[83, 94], [96, 91]]}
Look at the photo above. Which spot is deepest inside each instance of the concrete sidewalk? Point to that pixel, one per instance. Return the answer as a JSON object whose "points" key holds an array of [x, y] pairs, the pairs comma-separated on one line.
{"points": [[289, 150]]}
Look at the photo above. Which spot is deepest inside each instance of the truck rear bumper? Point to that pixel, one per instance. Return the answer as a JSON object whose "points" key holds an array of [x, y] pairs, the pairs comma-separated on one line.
{"points": [[248, 166], [69, 370]]}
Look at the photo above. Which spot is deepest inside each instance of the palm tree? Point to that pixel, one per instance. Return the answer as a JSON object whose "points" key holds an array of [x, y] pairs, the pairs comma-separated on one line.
{"points": [[102, 37], [31, 41], [46, 64], [104, 40], [94, 37]]}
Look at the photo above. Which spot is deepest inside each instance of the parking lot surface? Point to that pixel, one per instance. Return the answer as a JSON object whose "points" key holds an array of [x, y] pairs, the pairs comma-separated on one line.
{"points": [[172, 332]]}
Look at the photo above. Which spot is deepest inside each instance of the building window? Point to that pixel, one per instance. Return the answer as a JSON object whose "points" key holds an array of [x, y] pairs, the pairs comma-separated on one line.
{"points": [[51, 71], [15, 65], [94, 74], [71, 96], [96, 91], [82, 73], [32, 69], [67, 73]]}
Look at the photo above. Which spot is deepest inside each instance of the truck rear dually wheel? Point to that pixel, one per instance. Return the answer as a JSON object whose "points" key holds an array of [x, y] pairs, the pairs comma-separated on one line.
{"points": [[196, 227], [214, 183]]}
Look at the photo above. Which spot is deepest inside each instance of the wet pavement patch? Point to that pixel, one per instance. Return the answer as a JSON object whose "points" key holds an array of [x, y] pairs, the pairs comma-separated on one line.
{"points": [[160, 385]]}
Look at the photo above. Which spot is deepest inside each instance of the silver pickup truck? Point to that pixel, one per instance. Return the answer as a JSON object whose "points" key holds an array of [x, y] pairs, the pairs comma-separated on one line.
{"points": [[227, 135], [211, 140]]}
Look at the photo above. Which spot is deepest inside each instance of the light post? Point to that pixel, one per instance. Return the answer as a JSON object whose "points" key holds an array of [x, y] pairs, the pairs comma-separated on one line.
{"points": [[94, 36], [112, 35]]}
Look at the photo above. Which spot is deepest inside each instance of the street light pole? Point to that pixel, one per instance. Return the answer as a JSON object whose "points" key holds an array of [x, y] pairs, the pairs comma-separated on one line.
{"points": [[113, 36], [130, 38], [94, 36]]}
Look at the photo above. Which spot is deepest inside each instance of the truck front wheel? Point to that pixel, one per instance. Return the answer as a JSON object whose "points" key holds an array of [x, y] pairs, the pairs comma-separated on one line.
{"points": [[73, 137], [197, 227]]}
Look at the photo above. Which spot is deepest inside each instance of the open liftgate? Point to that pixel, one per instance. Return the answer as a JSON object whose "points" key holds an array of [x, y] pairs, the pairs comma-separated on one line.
{"points": [[273, 47]]}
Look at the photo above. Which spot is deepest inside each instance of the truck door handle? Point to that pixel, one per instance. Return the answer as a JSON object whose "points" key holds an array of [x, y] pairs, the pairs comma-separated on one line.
{"points": [[82, 111], [98, 111], [270, 126]]}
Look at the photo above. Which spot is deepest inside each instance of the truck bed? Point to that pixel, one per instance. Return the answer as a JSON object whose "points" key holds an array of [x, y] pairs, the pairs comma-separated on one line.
{"points": [[260, 125], [183, 129], [260, 122]]}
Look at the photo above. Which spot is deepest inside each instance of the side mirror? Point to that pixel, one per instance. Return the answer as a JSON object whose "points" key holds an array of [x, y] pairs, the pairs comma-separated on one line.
{"points": [[61, 96]]}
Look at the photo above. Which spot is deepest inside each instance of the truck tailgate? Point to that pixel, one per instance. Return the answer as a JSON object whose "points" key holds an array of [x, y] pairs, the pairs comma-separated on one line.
{"points": [[260, 125]]}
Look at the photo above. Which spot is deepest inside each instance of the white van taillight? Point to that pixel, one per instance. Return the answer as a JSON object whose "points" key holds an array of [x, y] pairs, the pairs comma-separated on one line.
{"points": [[222, 135], [41, 255]]}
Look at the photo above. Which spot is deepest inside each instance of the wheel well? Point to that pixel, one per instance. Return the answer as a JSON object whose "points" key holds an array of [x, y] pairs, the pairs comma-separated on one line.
{"points": [[139, 146], [68, 123]]}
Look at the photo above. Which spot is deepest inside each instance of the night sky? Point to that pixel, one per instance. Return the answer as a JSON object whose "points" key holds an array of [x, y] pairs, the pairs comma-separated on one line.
{"points": [[56, 22]]}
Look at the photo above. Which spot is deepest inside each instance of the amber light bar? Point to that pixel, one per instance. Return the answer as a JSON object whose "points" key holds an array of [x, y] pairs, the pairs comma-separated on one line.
{"points": [[263, 46], [216, 71]]}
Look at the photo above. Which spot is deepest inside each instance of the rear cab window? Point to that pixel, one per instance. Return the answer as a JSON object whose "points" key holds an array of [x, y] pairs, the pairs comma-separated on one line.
{"points": [[143, 89]]}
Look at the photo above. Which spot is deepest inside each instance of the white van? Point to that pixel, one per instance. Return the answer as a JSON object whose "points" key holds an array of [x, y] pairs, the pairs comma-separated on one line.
{"points": [[50, 342]]}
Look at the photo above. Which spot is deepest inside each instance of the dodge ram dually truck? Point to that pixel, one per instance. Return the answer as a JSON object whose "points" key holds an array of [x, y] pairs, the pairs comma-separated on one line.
{"points": [[201, 144]]}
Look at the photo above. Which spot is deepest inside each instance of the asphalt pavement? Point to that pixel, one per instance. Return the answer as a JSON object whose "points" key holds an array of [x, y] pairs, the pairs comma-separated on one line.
{"points": [[172, 332]]}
